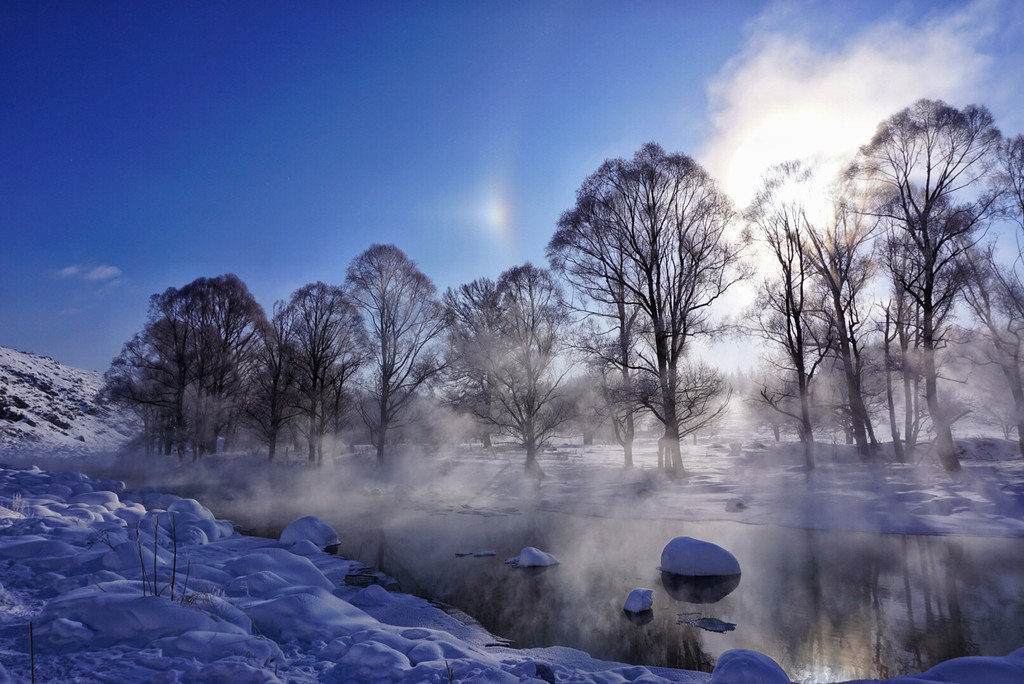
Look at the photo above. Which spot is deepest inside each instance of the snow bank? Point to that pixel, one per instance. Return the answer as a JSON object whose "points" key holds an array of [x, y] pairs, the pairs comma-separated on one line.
{"points": [[531, 557], [973, 670], [693, 557]]}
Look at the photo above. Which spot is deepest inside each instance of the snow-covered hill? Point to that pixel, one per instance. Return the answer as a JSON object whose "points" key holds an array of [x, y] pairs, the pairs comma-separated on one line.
{"points": [[47, 406]]}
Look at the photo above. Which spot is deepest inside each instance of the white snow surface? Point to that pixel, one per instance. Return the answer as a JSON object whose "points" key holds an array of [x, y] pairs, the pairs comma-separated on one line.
{"points": [[697, 558], [48, 407], [639, 600]]}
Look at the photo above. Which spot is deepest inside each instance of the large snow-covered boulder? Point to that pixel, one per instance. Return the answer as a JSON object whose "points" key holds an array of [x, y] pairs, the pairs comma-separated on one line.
{"points": [[531, 557], [694, 558], [740, 666], [639, 600], [309, 528]]}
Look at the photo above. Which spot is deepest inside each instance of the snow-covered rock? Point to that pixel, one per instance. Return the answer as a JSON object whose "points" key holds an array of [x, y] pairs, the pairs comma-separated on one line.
{"points": [[740, 666], [694, 557], [531, 557], [639, 600], [310, 528]]}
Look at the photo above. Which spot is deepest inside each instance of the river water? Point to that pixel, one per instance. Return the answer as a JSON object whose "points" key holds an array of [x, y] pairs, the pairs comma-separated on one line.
{"points": [[827, 605]]}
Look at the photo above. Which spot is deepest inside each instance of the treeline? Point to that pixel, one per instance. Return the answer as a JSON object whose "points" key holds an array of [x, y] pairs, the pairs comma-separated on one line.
{"points": [[859, 281]]}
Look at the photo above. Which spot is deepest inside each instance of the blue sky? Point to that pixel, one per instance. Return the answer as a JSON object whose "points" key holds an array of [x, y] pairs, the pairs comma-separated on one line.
{"points": [[144, 144]]}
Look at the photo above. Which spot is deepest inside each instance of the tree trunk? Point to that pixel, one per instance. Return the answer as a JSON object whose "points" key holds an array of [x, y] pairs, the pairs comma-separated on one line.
{"points": [[897, 445], [1013, 376], [944, 446], [858, 411], [381, 436], [807, 429]]}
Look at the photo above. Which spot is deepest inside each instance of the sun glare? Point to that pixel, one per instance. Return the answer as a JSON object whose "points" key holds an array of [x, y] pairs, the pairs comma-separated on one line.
{"points": [[821, 138]]}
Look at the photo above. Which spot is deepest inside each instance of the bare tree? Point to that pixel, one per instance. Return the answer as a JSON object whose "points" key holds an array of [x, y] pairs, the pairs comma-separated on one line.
{"points": [[271, 401], [188, 361], [529, 398], [595, 263], [475, 313], [928, 164], [328, 346], [840, 247], [405, 319], [224, 319], [995, 293], [649, 233], [790, 310]]}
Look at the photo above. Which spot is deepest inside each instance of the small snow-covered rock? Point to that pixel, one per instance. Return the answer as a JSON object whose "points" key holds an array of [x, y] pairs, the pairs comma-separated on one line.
{"points": [[740, 666], [693, 557], [639, 600], [310, 528], [531, 557]]}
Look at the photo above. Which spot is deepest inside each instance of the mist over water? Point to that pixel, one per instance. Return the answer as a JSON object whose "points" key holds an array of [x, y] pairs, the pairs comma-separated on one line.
{"points": [[827, 605]]}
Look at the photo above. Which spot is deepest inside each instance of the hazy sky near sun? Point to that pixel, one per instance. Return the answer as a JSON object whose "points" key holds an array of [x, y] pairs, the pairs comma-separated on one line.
{"points": [[144, 144]]}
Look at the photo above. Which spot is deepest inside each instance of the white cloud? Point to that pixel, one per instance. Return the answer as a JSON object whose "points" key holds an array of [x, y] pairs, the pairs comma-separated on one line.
{"points": [[788, 96], [97, 274], [103, 273]]}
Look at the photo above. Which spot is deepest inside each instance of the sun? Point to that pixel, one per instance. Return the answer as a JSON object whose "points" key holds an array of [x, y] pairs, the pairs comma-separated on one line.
{"points": [[821, 138]]}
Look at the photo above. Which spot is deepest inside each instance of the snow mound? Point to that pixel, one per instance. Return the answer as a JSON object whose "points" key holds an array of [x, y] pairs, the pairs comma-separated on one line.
{"points": [[639, 600], [740, 666], [694, 558], [531, 557], [309, 528], [973, 670]]}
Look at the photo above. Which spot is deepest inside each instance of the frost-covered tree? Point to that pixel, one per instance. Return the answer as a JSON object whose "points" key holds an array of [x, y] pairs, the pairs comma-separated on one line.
{"points": [[272, 401], [405, 320], [529, 401], [475, 313], [327, 346], [928, 166], [188, 362], [791, 310], [647, 238]]}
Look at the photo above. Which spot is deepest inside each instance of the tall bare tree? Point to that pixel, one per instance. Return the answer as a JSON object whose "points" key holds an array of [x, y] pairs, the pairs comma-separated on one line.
{"points": [[995, 291], [529, 397], [928, 165], [328, 347], [475, 313], [405, 319], [271, 398], [790, 310], [650, 233]]}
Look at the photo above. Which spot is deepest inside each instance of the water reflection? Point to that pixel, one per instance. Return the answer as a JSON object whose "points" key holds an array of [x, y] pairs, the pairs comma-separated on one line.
{"points": [[705, 589], [825, 605]]}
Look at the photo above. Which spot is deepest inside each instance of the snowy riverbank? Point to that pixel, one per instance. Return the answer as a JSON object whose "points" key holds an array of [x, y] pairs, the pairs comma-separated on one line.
{"points": [[79, 563]]}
